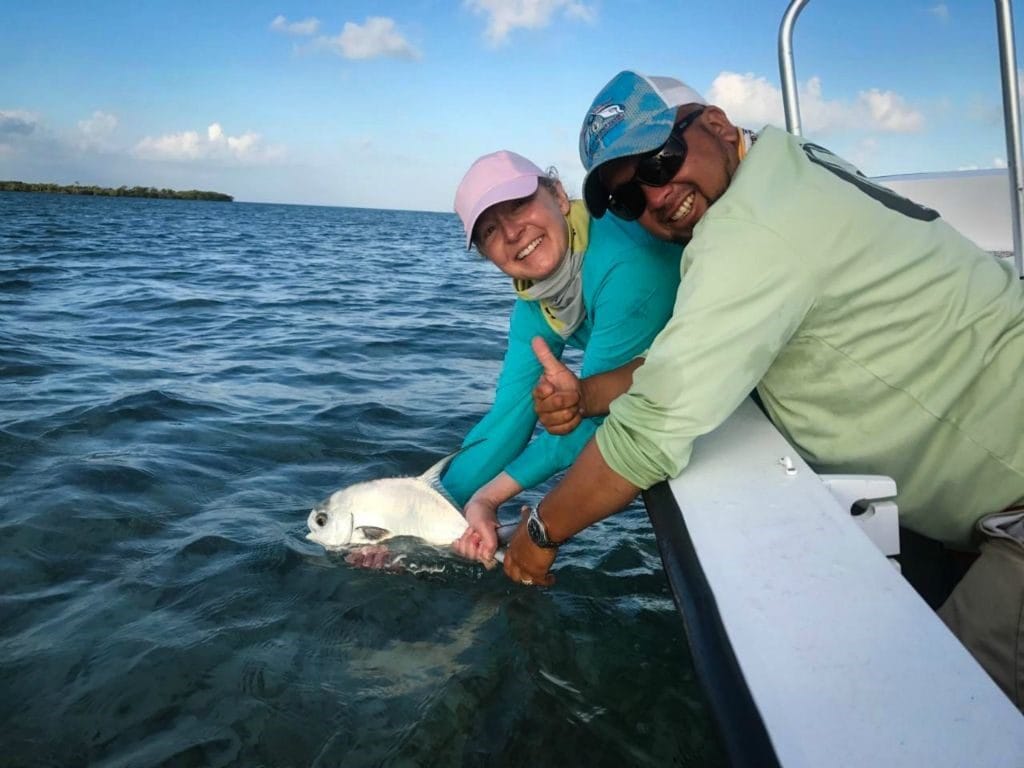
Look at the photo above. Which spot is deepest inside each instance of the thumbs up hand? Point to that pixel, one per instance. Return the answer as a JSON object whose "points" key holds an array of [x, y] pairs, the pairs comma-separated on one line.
{"points": [[558, 395]]}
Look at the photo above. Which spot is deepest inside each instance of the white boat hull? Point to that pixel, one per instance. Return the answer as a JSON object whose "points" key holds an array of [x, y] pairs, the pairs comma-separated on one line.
{"points": [[840, 659]]}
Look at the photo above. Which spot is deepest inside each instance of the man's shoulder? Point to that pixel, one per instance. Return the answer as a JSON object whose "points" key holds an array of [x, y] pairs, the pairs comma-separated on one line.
{"points": [[776, 150], [771, 180], [770, 146]]}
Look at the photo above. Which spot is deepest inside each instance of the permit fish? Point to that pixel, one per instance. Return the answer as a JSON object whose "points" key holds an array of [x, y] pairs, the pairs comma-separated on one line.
{"points": [[376, 510]]}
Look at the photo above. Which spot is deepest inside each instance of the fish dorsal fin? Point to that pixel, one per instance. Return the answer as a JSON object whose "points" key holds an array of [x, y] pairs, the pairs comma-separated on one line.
{"points": [[432, 476]]}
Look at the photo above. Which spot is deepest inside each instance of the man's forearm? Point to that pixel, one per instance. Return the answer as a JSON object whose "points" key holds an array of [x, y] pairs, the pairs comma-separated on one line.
{"points": [[590, 491], [600, 389]]}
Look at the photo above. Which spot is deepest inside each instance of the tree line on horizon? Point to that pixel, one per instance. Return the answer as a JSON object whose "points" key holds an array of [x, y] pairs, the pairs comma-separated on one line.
{"points": [[122, 191]]}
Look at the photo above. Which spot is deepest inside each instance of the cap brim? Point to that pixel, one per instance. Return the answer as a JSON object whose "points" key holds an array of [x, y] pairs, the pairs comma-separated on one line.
{"points": [[513, 189], [595, 196]]}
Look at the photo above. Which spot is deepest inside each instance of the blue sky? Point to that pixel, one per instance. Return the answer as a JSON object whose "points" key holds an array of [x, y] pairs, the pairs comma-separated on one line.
{"points": [[385, 104]]}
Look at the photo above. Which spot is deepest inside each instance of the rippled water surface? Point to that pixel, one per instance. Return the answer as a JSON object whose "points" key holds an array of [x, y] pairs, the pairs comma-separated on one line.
{"points": [[179, 383]]}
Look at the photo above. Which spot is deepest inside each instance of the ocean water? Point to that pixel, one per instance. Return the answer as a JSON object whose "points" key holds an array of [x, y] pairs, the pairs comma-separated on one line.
{"points": [[179, 383]]}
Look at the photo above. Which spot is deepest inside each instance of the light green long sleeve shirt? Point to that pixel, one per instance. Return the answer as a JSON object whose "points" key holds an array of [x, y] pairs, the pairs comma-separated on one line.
{"points": [[880, 339]]}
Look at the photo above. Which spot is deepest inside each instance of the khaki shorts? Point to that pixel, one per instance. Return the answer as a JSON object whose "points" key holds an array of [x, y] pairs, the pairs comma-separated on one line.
{"points": [[986, 609]]}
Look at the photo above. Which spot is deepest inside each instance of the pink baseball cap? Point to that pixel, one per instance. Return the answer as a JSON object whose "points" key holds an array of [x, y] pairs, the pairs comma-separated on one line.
{"points": [[493, 179]]}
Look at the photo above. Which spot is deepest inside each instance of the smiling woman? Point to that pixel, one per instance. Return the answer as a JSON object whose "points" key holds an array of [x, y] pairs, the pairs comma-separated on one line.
{"points": [[526, 238], [603, 286]]}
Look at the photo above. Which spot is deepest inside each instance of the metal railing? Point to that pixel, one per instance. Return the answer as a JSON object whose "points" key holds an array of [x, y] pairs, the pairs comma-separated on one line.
{"points": [[1011, 105], [787, 70]]}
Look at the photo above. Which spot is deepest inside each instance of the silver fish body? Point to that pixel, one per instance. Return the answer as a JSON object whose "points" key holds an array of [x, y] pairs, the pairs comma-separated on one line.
{"points": [[377, 510]]}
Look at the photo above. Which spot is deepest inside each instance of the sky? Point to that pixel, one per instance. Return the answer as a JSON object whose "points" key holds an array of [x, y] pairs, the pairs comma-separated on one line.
{"points": [[385, 104]]}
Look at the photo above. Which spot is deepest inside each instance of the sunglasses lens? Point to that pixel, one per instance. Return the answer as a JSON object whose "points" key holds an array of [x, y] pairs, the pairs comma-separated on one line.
{"points": [[659, 169], [655, 169], [627, 202]]}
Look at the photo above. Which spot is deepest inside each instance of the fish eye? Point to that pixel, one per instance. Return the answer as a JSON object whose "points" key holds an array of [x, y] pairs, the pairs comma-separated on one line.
{"points": [[321, 519]]}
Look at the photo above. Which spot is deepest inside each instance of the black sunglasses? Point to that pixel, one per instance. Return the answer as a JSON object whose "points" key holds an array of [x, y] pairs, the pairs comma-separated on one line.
{"points": [[653, 169]]}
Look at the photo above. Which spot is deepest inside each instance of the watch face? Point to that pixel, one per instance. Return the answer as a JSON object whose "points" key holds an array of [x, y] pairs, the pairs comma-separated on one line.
{"points": [[533, 527]]}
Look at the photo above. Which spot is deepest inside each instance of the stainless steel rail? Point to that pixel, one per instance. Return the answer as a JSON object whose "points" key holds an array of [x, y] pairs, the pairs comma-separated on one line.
{"points": [[1011, 119], [1011, 106], [787, 71]]}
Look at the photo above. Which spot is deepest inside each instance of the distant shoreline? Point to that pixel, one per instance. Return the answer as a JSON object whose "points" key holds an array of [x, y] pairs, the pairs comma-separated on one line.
{"points": [[78, 189]]}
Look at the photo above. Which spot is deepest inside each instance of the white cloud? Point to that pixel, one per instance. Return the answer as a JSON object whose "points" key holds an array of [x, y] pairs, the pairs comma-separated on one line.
{"points": [[173, 146], [940, 11], [308, 26], [216, 145], [889, 111], [507, 15], [753, 101], [16, 122], [822, 115], [95, 131], [99, 124], [18, 129], [747, 99], [375, 38]]}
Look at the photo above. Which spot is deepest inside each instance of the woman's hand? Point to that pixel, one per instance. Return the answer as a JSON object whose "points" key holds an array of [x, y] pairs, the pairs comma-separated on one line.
{"points": [[480, 540], [558, 397]]}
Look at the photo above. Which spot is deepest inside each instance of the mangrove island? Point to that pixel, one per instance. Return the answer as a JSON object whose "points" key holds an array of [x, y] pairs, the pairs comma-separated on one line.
{"points": [[78, 189]]}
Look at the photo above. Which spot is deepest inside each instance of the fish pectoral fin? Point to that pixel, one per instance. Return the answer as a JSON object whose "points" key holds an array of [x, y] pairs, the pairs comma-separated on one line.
{"points": [[373, 533]]}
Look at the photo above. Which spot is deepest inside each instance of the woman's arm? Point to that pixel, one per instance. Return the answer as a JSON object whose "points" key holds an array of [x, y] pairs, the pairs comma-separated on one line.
{"points": [[630, 291], [506, 428], [480, 541]]}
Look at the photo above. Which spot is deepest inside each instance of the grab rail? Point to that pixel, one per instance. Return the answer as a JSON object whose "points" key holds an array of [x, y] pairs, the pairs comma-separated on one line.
{"points": [[790, 99], [1011, 120], [1011, 106]]}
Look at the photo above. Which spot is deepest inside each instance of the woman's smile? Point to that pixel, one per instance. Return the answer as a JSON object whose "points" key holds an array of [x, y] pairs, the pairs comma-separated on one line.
{"points": [[526, 238], [530, 248]]}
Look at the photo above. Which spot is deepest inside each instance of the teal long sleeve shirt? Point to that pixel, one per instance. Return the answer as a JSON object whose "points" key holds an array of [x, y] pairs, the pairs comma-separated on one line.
{"points": [[629, 288]]}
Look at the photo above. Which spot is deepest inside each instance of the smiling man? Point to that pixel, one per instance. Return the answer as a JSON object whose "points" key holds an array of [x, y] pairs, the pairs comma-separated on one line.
{"points": [[880, 341]]}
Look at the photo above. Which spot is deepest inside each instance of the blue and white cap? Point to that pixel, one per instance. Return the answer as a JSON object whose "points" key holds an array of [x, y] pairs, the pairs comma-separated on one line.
{"points": [[631, 115]]}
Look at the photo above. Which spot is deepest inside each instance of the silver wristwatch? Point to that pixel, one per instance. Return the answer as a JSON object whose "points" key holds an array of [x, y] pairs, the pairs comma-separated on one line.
{"points": [[538, 533]]}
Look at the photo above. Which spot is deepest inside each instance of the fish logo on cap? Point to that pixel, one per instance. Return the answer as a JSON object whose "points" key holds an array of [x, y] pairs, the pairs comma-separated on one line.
{"points": [[598, 122]]}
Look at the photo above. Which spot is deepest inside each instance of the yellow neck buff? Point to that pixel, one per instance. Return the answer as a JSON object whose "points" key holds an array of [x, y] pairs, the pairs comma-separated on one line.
{"points": [[746, 141], [560, 294]]}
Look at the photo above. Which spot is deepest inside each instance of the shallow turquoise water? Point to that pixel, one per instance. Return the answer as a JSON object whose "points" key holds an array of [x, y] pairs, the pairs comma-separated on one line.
{"points": [[179, 383]]}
